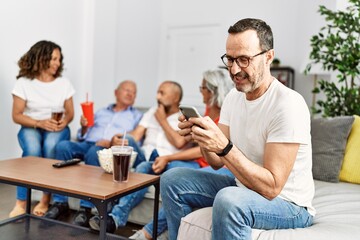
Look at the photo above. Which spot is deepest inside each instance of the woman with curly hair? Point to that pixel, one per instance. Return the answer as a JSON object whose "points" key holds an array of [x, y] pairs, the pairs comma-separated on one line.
{"points": [[39, 89]]}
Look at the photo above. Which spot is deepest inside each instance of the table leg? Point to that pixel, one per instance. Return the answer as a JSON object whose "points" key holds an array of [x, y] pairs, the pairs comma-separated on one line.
{"points": [[28, 200], [156, 209], [102, 209], [28, 209]]}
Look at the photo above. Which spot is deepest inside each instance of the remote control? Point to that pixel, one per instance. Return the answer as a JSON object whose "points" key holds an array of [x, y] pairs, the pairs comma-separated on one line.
{"points": [[66, 163]]}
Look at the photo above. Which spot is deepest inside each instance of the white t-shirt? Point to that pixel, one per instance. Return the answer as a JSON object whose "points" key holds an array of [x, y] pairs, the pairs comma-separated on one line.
{"points": [[41, 97], [155, 136], [280, 115]]}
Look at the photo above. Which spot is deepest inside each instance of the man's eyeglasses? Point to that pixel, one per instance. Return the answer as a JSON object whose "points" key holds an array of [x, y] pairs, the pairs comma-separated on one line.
{"points": [[241, 61]]}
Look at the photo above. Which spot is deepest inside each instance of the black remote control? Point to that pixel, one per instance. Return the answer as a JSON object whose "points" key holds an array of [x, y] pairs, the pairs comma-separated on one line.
{"points": [[66, 163]]}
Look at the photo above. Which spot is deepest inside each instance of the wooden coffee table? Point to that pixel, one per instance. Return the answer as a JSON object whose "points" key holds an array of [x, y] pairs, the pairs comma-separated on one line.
{"points": [[80, 181]]}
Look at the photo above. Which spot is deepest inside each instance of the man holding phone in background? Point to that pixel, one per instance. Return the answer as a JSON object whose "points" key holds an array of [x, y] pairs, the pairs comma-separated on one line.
{"points": [[263, 138], [158, 128], [116, 118]]}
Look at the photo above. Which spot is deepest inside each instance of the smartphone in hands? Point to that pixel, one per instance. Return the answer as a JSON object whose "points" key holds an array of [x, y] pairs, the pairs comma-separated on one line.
{"points": [[189, 111]]}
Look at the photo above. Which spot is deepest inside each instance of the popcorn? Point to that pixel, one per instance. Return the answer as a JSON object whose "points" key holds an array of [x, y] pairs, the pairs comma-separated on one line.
{"points": [[105, 157]]}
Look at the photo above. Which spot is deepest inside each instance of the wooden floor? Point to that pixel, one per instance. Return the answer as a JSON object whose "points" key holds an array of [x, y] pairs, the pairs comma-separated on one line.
{"points": [[7, 201]]}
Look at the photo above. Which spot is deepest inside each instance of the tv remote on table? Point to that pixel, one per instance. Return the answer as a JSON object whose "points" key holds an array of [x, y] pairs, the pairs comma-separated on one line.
{"points": [[66, 163]]}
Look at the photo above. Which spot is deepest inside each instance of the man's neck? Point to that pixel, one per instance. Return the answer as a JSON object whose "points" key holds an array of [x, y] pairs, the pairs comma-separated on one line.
{"points": [[119, 107], [258, 92], [172, 110]]}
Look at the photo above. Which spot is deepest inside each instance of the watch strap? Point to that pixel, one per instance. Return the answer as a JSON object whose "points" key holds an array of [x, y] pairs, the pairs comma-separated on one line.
{"points": [[226, 150]]}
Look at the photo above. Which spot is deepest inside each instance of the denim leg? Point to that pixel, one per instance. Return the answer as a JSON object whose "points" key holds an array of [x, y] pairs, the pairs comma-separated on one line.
{"points": [[183, 189], [136, 147], [91, 158], [184, 164], [238, 209], [162, 224], [120, 212], [51, 139], [30, 142], [221, 171], [66, 150]]}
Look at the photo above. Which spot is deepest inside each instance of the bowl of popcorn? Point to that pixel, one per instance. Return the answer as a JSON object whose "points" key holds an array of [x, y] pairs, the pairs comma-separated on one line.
{"points": [[105, 157]]}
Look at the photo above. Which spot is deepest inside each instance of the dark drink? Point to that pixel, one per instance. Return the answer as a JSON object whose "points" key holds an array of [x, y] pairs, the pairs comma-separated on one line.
{"points": [[121, 164], [56, 116]]}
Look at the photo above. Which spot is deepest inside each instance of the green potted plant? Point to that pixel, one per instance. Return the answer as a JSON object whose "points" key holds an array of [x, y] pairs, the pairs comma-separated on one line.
{"points": [[337, 49], [276, 62]]}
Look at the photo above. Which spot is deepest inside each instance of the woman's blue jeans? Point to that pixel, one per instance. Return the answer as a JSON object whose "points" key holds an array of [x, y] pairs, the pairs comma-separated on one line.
{"points": [[38, 143], [235, 209], [120, 212]]}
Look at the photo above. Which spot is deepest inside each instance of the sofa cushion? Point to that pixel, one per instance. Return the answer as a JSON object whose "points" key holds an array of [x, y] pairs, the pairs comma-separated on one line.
{"points": [[350, 170], [328, 137]]}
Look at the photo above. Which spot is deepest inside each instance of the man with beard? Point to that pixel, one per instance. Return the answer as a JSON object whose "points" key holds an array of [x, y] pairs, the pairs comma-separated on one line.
{"points": [[263, 138], [158, 128]]}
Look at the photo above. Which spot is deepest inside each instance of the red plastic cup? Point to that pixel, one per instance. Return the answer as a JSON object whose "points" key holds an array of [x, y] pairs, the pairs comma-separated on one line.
{"points": [[88, 111]]}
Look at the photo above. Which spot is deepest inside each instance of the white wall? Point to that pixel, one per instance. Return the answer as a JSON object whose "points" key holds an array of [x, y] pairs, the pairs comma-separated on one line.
{"points": [[106, 41], [22, 23]]}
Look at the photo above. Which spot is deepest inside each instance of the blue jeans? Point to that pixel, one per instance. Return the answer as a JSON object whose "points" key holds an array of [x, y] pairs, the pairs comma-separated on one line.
{"points": [[66, 150], [120, 211], [162, 224], [235, 209], [136, 148], [38, 143]]}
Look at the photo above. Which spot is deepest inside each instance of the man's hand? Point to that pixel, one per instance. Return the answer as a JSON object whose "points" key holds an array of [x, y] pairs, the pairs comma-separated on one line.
{"points": [[185, 128], [207, 134], [83, 121], [103, 143], [160, 113], [160, 164], [117, 140]]}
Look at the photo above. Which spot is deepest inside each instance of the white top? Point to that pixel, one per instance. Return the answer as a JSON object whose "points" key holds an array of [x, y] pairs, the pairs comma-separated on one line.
{"points": [[155, 137], [41, 97], [280, 115]]}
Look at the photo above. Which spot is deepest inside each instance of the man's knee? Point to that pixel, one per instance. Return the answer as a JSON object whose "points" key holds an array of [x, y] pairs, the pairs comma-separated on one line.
{"points": [[61, 150], [233, 201], [63, 145]]}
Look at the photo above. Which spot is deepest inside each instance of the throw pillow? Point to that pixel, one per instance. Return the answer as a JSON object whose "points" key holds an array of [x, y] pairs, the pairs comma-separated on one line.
{"points": [[350, 170], [328, 137]]}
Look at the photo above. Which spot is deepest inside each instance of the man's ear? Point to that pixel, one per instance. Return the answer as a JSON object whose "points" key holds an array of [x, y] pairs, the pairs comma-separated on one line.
{"points": [[270, 56]]}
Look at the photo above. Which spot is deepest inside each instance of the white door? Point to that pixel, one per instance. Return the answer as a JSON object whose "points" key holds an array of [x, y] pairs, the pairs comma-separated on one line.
{"points": [[187, 53]]}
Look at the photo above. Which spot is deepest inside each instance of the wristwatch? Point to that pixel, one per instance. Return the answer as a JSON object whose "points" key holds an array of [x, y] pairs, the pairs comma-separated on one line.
{"points": [[226, 150]]}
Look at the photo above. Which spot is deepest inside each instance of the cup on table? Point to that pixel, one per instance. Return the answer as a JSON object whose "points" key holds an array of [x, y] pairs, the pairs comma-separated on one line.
{"points": [[121, 162], [88, 112], [57, 113]]}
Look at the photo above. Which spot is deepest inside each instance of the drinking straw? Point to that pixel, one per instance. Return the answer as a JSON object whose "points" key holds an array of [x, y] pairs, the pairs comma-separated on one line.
{"points": [[86, 96], [123, 140]]}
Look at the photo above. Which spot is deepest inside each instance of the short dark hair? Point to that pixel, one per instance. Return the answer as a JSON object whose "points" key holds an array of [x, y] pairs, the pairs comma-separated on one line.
{"points": [[37, 59], [263, 31], [177, 88]]}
